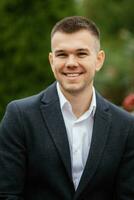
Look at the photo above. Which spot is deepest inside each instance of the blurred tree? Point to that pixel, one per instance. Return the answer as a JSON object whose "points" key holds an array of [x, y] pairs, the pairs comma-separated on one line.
{"points": [[115, 20], [24, 45], [112, 15]]}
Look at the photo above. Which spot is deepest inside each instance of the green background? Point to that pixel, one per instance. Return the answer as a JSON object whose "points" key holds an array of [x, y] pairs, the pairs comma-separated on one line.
{"points": [[25, 43]]}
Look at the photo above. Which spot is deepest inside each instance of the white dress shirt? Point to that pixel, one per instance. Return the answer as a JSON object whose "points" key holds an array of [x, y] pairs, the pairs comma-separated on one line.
{"points": [[79, 132]]}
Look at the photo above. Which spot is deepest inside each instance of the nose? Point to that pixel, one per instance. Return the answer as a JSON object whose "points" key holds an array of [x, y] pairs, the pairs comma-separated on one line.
{"points": [[71, 62]]}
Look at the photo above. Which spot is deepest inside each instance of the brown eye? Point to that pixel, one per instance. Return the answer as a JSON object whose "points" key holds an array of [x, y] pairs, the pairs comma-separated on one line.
{"points": [[82, 54], [61, 55]]}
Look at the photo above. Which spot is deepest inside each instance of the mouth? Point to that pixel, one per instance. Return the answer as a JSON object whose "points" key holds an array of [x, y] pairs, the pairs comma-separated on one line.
{"points": [[72, 74]]}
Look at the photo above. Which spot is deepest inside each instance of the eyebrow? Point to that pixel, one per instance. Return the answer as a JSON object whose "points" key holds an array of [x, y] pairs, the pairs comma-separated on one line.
{"points": [[59, 51], [77, 50], [83, 49]]}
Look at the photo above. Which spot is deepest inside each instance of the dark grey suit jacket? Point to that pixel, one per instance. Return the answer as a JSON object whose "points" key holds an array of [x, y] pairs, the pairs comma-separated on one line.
{"points": [[35, 159]]}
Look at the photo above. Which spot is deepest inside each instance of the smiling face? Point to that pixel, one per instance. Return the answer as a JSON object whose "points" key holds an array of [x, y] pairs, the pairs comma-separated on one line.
{"points": [[74, 59]]}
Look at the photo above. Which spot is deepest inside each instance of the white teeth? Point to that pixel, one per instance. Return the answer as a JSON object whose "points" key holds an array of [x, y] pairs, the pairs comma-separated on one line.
{"points": [[72, 75]]}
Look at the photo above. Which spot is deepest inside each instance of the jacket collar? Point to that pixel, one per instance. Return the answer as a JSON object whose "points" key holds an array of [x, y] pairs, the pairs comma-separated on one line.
{"points": [[53, 118]]}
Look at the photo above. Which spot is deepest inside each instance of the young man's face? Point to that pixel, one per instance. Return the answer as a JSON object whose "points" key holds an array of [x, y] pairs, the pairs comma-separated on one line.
{"points": [[74, 60]]}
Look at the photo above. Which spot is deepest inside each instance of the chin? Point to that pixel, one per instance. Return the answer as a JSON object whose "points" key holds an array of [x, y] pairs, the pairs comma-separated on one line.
{"points": [[73, 89]]}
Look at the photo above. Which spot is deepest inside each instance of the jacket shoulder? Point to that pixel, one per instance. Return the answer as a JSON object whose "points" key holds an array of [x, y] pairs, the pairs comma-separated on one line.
{"points": [[117, 113], [27, 102]]}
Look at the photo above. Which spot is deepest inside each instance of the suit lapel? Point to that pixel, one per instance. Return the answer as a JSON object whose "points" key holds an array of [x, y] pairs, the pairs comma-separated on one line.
{"points": [[102, 121], [52, 115]]}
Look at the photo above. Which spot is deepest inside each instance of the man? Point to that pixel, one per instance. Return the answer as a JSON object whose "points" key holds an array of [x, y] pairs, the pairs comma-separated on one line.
{"points": [[68, 142]]}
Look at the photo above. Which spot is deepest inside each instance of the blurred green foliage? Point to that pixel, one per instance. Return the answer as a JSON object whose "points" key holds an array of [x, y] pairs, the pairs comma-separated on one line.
{"points": [[115, 19], [24, 45]]}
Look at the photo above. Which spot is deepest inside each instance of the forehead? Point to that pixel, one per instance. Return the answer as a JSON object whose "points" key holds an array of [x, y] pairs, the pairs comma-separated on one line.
{"points": [[79, 39]]}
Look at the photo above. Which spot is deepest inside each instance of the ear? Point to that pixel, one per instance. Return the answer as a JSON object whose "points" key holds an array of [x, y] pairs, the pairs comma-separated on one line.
{"points": [[50, 57], [100, 60]]}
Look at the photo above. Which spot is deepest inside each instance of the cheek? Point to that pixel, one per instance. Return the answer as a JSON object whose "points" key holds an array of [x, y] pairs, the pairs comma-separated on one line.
{"points": [[89, 62], [58, 66], [91, 70], [89, 66], [56, 70]]}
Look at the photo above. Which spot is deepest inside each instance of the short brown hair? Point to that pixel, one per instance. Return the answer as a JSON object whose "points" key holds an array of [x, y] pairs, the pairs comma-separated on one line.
{"points": [[75, 23]]}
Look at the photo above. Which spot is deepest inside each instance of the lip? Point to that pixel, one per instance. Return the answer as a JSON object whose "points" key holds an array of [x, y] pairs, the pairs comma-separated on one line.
{"points": [[76, 74], [73, 76]]}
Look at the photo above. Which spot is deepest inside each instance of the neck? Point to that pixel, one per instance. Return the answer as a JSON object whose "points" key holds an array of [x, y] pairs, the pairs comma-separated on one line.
{"points": [[80, 102]]}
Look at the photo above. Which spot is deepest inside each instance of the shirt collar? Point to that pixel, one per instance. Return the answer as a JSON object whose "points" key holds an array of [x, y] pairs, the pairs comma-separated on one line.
{"points": [[63, 100]]}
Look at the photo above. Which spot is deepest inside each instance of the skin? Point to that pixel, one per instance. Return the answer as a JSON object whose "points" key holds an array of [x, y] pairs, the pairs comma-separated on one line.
{"points": [[75, 58]]}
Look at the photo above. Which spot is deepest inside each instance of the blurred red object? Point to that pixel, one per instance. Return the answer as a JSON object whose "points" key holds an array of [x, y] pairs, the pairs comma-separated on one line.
{"points": [[128, 102]]}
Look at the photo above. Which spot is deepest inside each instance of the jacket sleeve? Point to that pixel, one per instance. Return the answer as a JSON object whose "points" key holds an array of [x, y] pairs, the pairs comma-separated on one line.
{"points": [[12, 155], [125, 180]]}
